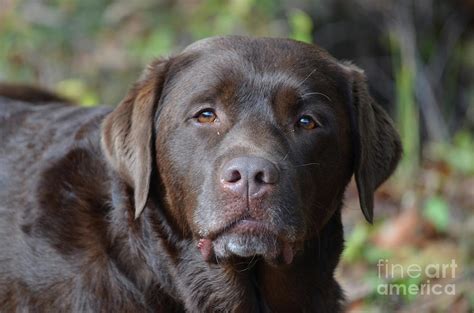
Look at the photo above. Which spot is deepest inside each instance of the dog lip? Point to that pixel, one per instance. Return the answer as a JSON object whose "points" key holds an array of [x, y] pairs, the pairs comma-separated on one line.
{"points": [[244, 224]]}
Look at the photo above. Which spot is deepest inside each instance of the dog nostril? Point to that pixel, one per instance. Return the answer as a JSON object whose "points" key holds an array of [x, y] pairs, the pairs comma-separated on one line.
{"points": [[268, 175], [234, 177], [260, 178]]}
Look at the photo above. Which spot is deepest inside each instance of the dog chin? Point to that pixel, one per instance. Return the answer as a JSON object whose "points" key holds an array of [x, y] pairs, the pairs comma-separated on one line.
{"points": [[245, 245], [269, 247]]}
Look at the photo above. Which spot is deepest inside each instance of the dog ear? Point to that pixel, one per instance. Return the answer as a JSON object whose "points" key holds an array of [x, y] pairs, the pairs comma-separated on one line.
{"points": [[377, 146], [127, 132]]}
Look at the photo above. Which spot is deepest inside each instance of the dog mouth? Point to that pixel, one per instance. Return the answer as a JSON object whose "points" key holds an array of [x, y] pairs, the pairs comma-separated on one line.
{"points": [[246, 238]]}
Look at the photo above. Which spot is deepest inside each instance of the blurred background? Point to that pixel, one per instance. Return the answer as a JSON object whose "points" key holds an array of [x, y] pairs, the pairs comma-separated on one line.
{"points": [[419, 59]]}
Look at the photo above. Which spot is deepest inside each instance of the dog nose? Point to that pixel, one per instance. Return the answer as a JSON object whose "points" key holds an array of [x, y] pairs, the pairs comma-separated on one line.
{"points": [[249, 176]]}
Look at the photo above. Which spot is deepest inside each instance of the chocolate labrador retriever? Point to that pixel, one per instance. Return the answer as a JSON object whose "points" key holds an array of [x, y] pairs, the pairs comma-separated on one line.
{"points": [[216, 185]]}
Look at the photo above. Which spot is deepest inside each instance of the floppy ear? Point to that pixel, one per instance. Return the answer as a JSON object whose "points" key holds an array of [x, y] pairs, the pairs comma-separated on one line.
{"points": [[127, 132], [377, 146]]}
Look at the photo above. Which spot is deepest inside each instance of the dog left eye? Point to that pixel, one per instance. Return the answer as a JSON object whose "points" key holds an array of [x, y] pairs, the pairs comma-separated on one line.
{"points": [[306, 122]]}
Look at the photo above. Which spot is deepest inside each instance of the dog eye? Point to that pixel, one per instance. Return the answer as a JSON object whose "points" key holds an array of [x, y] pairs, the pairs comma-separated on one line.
{"points": [[306, 122], [206, 116]]}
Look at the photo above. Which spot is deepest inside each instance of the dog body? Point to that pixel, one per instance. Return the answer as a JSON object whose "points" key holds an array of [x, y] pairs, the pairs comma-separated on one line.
{"points": [[216, 185]]}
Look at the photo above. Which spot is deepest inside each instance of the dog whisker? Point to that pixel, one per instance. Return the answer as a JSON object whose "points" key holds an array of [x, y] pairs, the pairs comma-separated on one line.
{"points": [[306, 78], [317, 93], [306, 164], [250, 264]]}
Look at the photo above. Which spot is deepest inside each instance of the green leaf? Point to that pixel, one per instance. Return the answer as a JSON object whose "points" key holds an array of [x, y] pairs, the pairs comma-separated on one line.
{"points": [[436, 210], [355, 243], [373, 253], [301, 26]]}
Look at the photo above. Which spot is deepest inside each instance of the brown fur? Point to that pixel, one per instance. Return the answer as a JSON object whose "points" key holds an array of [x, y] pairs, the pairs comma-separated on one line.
{"points": [[102, 210]]}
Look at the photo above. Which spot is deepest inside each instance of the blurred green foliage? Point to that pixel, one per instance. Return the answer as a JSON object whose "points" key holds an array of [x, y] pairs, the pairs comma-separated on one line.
{"points": [[301, 26], [436, 210], [407, 113], [357, 248], [458, 153]]}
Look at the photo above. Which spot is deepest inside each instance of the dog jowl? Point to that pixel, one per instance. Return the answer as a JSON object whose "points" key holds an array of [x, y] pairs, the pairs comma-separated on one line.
{"points": [[220, 179]]}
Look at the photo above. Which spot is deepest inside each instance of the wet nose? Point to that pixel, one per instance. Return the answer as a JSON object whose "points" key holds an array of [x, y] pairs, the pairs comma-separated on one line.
{"points": [[249, 176]]}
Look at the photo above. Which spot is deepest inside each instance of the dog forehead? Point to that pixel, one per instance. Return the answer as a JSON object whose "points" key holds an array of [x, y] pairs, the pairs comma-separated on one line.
{"points": [[253, 66], [231, 56], [265, 50]]}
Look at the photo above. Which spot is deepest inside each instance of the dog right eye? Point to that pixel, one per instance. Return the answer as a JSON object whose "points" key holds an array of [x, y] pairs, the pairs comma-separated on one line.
{"points": [[206, 116]]}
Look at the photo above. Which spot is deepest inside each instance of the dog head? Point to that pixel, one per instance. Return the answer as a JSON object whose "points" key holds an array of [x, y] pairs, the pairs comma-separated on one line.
{"points": [[253, 140]]}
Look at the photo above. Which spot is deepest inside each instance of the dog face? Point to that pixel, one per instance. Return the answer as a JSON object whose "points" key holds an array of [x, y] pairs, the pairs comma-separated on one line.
{"points": [[254, 142]]}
